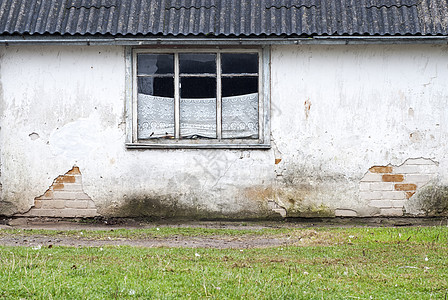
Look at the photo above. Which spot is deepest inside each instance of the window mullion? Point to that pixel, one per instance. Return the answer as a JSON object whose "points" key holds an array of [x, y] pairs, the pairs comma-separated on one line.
{"points": [[176, 97], [218, 97]]}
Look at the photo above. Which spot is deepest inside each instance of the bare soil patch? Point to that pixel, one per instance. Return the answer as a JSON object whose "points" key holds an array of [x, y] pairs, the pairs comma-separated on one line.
{"points": [[181, 241]]}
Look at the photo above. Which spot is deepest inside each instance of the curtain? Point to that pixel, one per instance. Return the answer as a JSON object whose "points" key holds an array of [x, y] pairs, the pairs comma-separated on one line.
{"points": [[197, 117], [155, 117], [240, 116]]}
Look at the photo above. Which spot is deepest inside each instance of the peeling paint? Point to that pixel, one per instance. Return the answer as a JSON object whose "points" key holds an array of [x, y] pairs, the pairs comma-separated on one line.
{"points": [[307, 108]]}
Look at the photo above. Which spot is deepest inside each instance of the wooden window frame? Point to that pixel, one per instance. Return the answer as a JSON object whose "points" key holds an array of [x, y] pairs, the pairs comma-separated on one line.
{"points": [[263, 141]]}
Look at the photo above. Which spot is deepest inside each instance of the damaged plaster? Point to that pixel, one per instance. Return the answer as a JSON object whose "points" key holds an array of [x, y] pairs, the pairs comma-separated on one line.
{"points": [[328, 126], [389, 188], [64, 198]]}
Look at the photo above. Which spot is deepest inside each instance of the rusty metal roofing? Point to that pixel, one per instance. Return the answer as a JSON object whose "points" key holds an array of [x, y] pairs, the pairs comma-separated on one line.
{"points": [[224, 17]]}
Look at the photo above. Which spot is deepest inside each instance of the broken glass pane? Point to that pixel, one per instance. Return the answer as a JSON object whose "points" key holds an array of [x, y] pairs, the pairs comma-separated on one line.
{"points": [[198, 87], [232, 63], [151, 64], [235, 86], [156, 86], [197, 63]]}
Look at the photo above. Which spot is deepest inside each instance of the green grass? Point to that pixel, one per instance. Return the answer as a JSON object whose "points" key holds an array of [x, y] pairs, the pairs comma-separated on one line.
{"points": [[328, 263]]}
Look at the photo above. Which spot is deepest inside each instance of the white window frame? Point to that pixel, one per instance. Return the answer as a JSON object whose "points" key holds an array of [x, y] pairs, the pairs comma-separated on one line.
{"points": [[263, 141]]}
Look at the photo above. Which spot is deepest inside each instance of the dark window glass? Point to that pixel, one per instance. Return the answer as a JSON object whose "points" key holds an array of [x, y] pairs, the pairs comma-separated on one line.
{"points": [[239, 63], [150, 64], [156, 86], [198, 87], [197, 63], [235, 86]]}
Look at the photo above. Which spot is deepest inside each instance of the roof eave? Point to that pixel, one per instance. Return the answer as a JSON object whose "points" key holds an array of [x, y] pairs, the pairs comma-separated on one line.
{"points": [[215, 41]]}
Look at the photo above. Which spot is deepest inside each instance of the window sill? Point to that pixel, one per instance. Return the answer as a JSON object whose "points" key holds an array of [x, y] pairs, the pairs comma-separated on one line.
{"points": [[196, 146]]}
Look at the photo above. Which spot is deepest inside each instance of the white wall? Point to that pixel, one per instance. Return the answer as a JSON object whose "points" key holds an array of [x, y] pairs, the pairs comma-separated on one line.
{"points": [[368, 106]]}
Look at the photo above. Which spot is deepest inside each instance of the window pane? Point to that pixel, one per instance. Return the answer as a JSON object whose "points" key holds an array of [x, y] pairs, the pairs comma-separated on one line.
{"points": [[150, 64], [156, 86], [198, 107], [155, 118], [239, 63], [197, 63], [240, 116], [235, 86], [198, 118], [198, 87]]}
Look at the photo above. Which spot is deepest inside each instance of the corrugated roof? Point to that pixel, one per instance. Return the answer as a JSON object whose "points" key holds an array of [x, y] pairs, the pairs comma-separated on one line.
{"points": [[225, 17]]}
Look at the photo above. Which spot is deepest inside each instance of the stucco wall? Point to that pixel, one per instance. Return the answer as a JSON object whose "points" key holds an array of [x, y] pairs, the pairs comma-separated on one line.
{"points": [[337, 111]]}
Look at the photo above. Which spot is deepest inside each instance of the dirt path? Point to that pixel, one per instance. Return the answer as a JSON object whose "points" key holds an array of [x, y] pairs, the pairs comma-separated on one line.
{"points": [[220, 241], [189, 242]]}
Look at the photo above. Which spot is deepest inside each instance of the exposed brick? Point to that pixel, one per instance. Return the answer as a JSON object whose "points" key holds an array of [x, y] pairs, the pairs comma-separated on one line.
{"points": [[370, 195], [429, 169], [405, 187], [409, 194], [64, 195], [393, 178], [393, 195], [382, 186], [74, 171], [47, 195], [38, 203], [392, 212], [398, 203], [78, 179], [73, 212], [420, 161], [53, 204], [371, 177], [41, 213], [82, 196], [65, 179], [278, 160], [57, 186], [345, 213], [419, 178], [380, 203], [381, 169], [364, 186], [409, 169], [73, 187], [76, 203]]}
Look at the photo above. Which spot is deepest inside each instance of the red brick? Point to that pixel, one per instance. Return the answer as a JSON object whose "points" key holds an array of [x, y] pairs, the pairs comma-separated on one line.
{"points": [[381, 169], [409, 194], [58, 186], [393, 177], [405, 187], [74, 171]]}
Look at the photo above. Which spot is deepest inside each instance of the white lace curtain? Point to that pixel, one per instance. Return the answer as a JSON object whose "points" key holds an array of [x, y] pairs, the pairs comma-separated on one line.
{"points": [[198, 117]]}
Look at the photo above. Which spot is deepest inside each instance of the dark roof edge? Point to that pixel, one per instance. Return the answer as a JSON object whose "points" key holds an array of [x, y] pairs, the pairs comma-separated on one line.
{"points": [[222, 41]]}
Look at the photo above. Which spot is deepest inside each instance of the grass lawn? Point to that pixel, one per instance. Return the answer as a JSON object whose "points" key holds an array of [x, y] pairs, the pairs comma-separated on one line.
{"points": [[322, 263]]}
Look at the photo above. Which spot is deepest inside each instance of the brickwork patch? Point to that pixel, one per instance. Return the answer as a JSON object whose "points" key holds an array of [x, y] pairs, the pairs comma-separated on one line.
{"points": [[64, 198], [388, 188]]}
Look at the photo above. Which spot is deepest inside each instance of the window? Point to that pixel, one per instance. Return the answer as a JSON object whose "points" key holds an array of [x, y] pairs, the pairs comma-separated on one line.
{"points": [[199, 98]]}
